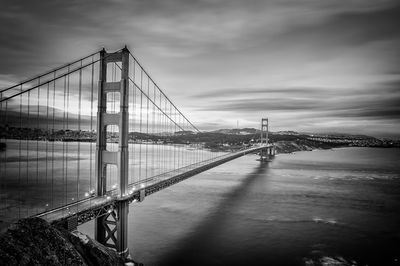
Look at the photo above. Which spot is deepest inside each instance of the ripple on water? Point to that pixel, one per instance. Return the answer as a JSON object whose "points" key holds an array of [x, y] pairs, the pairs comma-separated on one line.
{"points": [[329, 261]]}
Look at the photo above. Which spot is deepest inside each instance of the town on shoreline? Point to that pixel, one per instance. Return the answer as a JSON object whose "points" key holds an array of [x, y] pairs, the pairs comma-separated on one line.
{"points": [[219, 140]]}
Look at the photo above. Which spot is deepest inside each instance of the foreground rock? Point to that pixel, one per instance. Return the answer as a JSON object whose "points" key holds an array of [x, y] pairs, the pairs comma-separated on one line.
{"points": [[33, 241]]}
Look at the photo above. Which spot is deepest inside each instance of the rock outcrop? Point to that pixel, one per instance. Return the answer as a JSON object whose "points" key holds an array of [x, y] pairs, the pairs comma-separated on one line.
{"points": [[33, 241]]}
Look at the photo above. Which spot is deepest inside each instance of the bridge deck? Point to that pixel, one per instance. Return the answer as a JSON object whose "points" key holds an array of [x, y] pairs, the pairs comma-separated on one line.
{"points": [[96, 206]]}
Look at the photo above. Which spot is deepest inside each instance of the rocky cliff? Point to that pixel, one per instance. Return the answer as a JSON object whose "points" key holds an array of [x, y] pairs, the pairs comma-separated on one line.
{"points": [[33, 241]]}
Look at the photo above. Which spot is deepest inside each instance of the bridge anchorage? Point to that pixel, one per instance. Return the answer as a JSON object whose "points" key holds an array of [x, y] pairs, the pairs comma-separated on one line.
{"points": [[83, 141]]}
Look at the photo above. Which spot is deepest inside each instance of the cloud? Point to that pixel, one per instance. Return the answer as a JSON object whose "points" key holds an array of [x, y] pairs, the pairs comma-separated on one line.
{"points": [[234, 59], [309, 106], [350, 27], [272, 92]]}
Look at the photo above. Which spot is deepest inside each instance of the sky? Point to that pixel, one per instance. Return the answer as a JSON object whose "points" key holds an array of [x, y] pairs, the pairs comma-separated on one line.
{"points": [[307, 65]]}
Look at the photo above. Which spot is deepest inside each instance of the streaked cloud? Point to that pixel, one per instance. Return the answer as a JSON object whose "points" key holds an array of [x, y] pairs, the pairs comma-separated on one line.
{"points": [[309, 65]]}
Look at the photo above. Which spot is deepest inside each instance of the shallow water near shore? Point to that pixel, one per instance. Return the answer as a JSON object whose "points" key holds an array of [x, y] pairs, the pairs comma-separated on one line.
{"points": [[326, 207]]}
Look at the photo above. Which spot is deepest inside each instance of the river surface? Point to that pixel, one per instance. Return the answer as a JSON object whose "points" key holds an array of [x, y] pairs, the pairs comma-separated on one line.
{"points": [[326, 207]]}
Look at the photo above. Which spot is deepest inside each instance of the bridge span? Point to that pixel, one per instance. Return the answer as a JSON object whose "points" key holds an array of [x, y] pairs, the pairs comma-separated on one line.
{"points": [[84, 140], [88, 209]]}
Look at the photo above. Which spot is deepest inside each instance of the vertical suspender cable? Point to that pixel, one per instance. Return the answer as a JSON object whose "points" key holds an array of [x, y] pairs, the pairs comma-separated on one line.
{"points": [[140, 130], [153, 130], [67, 145], [134, 124], [47, 140], [147, 126], [19, 151], [52, 144], [63, 142], [176, 140], [37, 134], [91, 128], [79, 132], [27, 144]]}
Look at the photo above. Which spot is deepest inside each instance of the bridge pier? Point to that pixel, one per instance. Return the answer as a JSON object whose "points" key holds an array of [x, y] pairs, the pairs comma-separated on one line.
{"points": [[271, 151], [267, 154], [111, 229]]}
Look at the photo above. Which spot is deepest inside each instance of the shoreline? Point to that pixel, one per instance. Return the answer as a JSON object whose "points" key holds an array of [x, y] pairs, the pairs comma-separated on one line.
{"points": [[287, 147]]}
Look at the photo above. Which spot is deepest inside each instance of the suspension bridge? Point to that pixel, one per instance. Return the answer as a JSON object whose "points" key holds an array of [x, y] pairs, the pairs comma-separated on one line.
{"points": [[83, 141]]}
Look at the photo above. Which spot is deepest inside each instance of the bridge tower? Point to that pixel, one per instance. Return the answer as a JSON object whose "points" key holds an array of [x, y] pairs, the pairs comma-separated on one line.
{"points": [[111, 229], [264, 153]]}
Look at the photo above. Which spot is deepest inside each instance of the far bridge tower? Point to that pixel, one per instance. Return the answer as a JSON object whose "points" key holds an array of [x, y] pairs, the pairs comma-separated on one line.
{"points": [[269, 152]]}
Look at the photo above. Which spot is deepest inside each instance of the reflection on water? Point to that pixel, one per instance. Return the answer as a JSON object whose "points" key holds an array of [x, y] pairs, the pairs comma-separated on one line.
{"points": [[338, 207], [36, 176]]}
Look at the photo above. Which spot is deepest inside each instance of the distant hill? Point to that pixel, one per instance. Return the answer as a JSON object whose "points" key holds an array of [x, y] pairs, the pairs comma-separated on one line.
{"points": [[252, 131], [288, 132], [341, 135], [235, 131]]}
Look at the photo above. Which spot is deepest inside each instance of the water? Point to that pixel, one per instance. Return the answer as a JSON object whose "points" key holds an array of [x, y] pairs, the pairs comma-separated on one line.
{"points": [[37, 176], [328, 207]]}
